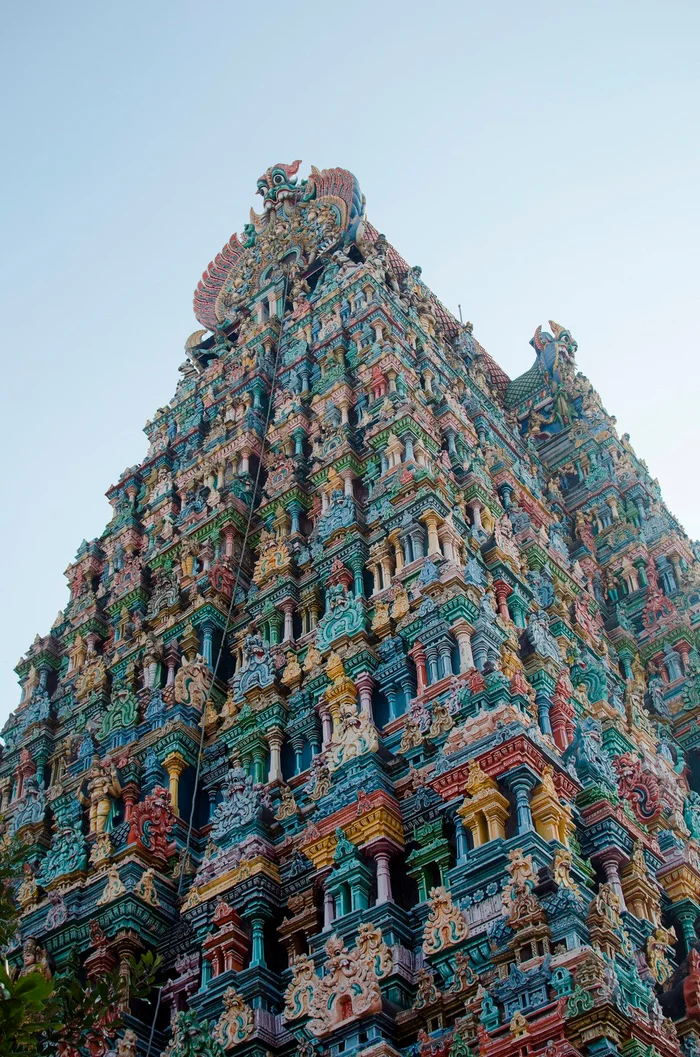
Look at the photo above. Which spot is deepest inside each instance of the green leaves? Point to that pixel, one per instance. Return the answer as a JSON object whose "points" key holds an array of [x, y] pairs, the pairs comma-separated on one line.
{"points": [[25, 1013], [37, 1014]]}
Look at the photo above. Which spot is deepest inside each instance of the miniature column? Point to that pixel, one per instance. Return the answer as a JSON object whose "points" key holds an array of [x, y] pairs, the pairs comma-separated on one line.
{"points": [[502, 590], [419, 659], [433, 539], [383, 877], [174, 764], [431, 654], [327, 725], [365, 684], [610, 861], [398, 552], [288, 635], [462, 633], [377, 584], [207, 639], [257, 924], [521, 781], [461, 841], [328, 909], [445, 651], [274, 740]]}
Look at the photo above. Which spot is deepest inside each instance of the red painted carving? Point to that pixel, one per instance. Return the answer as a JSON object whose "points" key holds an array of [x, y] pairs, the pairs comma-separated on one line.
{"points": [[152, 821]]}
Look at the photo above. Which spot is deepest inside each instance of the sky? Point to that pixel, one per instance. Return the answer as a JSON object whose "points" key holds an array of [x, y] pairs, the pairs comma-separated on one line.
{"points": [[539, 161]]}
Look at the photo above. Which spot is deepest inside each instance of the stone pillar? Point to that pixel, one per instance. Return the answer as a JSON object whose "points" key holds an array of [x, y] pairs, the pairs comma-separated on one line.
{"points": [[383, 878], [610, 861], [462, 633], [258, 941], [288, 635], [543, 706], [294, 511], [433, 540], [258, 764], [445, 652], [377, 582], [365, 684], [274, 740], [502, 590], [328, 910], [431, 654], [358, 582], [461, 841], [327, 725], [171, 659], [685, 917], [521, 781], [398, 553], [130, 795], [419, 659], [683, 649], [174, 764], [207, 636], [417, 543]]}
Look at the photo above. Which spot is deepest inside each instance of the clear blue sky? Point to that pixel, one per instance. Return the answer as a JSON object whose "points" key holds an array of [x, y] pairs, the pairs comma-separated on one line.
{"points": [[539, 161]]}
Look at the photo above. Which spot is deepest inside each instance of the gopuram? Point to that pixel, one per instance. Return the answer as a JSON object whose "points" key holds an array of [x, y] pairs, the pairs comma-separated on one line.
{"points": [[374, 709]]}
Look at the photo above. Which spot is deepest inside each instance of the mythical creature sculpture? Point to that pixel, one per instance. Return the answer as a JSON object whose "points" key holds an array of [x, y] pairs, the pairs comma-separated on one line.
{"points": [[657, 958], [348, 988], [32, 805], [257, 670], [192, 1039], [27, 889], [243, 802], [146, 889], [691, 813], [114, 887], [236, 1023], [638, 786], [445, 925], [152, 821], [587, 752], [67, 853], [556, 352], [122, 714], [344, 616], [319, 777], [192, 682], [278, 184], [541, 638], [300, 991]]}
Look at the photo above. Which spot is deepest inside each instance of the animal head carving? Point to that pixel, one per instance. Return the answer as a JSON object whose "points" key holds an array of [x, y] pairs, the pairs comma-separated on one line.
{"points": [[556, 351], [277, 183]]}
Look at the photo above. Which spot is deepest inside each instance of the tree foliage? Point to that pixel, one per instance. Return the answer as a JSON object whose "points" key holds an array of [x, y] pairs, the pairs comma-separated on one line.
{"points": [[69, 1014]]}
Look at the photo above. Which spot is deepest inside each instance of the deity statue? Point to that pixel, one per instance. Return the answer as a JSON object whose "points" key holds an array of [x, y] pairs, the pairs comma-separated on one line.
{"points": [[34, 959], [103, 786]]}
